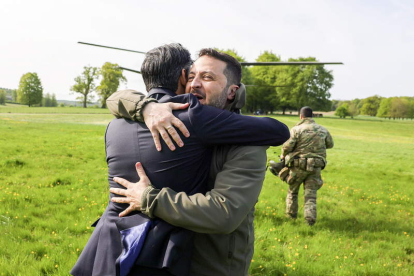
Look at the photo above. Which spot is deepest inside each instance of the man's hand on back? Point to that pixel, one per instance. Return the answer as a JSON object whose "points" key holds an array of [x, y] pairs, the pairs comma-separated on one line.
{"points": [[160, 121], [133, 191]]}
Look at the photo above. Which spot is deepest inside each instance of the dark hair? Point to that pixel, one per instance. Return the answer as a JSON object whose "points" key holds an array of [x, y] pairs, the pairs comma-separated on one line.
{"points": [[306, 112], [233, 71], [162, 66]]}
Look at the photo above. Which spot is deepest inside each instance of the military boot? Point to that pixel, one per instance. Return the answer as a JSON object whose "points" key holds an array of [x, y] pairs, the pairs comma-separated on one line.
{"points": [[291, 216], [310, 222]]}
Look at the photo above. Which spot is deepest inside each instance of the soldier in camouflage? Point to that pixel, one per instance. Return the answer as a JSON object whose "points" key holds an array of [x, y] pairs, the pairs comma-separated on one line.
{"points": [[305, 156]]}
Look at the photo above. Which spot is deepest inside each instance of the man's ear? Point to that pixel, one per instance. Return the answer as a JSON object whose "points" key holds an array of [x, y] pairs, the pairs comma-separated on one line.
{"points": [[232, 92]]}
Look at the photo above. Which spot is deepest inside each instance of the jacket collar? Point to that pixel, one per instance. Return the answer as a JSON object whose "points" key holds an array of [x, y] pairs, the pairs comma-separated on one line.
{"points": [[161, 90], [306, 121]]}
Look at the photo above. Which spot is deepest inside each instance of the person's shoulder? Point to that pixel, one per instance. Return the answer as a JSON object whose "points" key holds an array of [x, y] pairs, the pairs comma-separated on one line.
{"points": [[300, 128], [126, 94], [320, 127]]}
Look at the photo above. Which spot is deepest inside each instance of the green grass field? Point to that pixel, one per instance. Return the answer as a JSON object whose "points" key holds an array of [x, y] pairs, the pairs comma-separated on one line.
{"points": [[53, 185], [24, 109]]}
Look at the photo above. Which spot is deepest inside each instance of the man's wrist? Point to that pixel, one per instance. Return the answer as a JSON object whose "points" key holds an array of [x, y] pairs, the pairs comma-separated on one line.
{"points": [[141, 106], [147, 197]]}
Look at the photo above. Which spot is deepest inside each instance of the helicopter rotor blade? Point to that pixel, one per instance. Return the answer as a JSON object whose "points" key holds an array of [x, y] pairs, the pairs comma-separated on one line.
{"points": [[130, 70], [247, 85], [288, 63], [121, 49]]}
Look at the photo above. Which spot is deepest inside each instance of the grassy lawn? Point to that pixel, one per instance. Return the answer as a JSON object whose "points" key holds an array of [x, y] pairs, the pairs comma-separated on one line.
{"points": [[53, 185], [365, 211], [17, 108]]}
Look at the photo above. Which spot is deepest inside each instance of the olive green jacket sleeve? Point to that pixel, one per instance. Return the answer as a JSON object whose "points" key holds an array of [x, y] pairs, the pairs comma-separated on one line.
{"points": [[220, 211], [128, 104]]}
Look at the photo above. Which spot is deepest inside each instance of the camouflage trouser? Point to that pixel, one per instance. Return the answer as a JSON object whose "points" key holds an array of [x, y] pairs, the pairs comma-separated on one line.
{"points": [[312, 182]]}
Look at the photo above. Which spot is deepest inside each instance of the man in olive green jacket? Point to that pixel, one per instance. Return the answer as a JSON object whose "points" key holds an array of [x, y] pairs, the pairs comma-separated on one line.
{"points": [[223, 217]]}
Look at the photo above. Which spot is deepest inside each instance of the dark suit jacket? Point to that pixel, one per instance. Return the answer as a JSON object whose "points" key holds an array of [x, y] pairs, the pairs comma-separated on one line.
{"points": [[185, 169]]}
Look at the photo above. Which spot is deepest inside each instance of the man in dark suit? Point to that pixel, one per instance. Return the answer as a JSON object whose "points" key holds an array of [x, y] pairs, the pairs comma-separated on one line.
{"points": [[155, 246]]}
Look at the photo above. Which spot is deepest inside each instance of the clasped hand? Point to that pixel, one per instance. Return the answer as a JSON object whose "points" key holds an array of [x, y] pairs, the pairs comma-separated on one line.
{"points": [[133, 191], [160, 121]]}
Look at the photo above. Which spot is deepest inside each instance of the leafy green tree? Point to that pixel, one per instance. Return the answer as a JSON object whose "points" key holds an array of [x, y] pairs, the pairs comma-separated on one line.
{"points": [[399, 107], [53, 101], [30, 89], [411, 107], [14, 95], [46, 100], [263, 95], [49, 100], [85, 84], [370, 105], [384, 107], [111, 78], [342, 111], [305, 85], [288, 78], [353, 109], [335, 104], [2, 96]]}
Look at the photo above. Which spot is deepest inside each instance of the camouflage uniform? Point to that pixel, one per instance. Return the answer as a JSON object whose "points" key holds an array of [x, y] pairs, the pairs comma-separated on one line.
{"points": [[305, 155]]}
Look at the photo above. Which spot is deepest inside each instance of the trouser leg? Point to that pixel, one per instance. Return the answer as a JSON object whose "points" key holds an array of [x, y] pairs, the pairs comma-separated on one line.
{"points": [[292, 200], [311, 185], [310, 205]]}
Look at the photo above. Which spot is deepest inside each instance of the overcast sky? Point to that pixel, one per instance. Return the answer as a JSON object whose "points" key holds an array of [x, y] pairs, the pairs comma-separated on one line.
{"points": [[374, 39]]}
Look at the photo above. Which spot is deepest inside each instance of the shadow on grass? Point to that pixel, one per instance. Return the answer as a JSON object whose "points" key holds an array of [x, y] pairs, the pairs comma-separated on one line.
{"points": [[354, 226], [350, 227]]}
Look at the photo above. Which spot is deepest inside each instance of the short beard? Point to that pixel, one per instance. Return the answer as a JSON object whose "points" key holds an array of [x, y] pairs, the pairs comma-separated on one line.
{"points": [[221, 100]]}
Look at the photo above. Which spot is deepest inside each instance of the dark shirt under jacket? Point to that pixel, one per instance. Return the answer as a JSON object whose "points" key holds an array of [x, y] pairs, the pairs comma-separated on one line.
{"points": [[185, 169]]}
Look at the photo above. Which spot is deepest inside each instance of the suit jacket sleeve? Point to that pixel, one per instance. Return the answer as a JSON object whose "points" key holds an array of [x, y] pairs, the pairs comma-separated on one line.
{"points": [[221, 210], [216, 126]]}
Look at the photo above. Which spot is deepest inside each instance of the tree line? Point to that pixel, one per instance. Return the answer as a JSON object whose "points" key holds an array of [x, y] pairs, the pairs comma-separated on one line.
{"points": [[111, 76], [269, 89], [392, 107], [272, 88], [7, 95], [30, 91]]}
